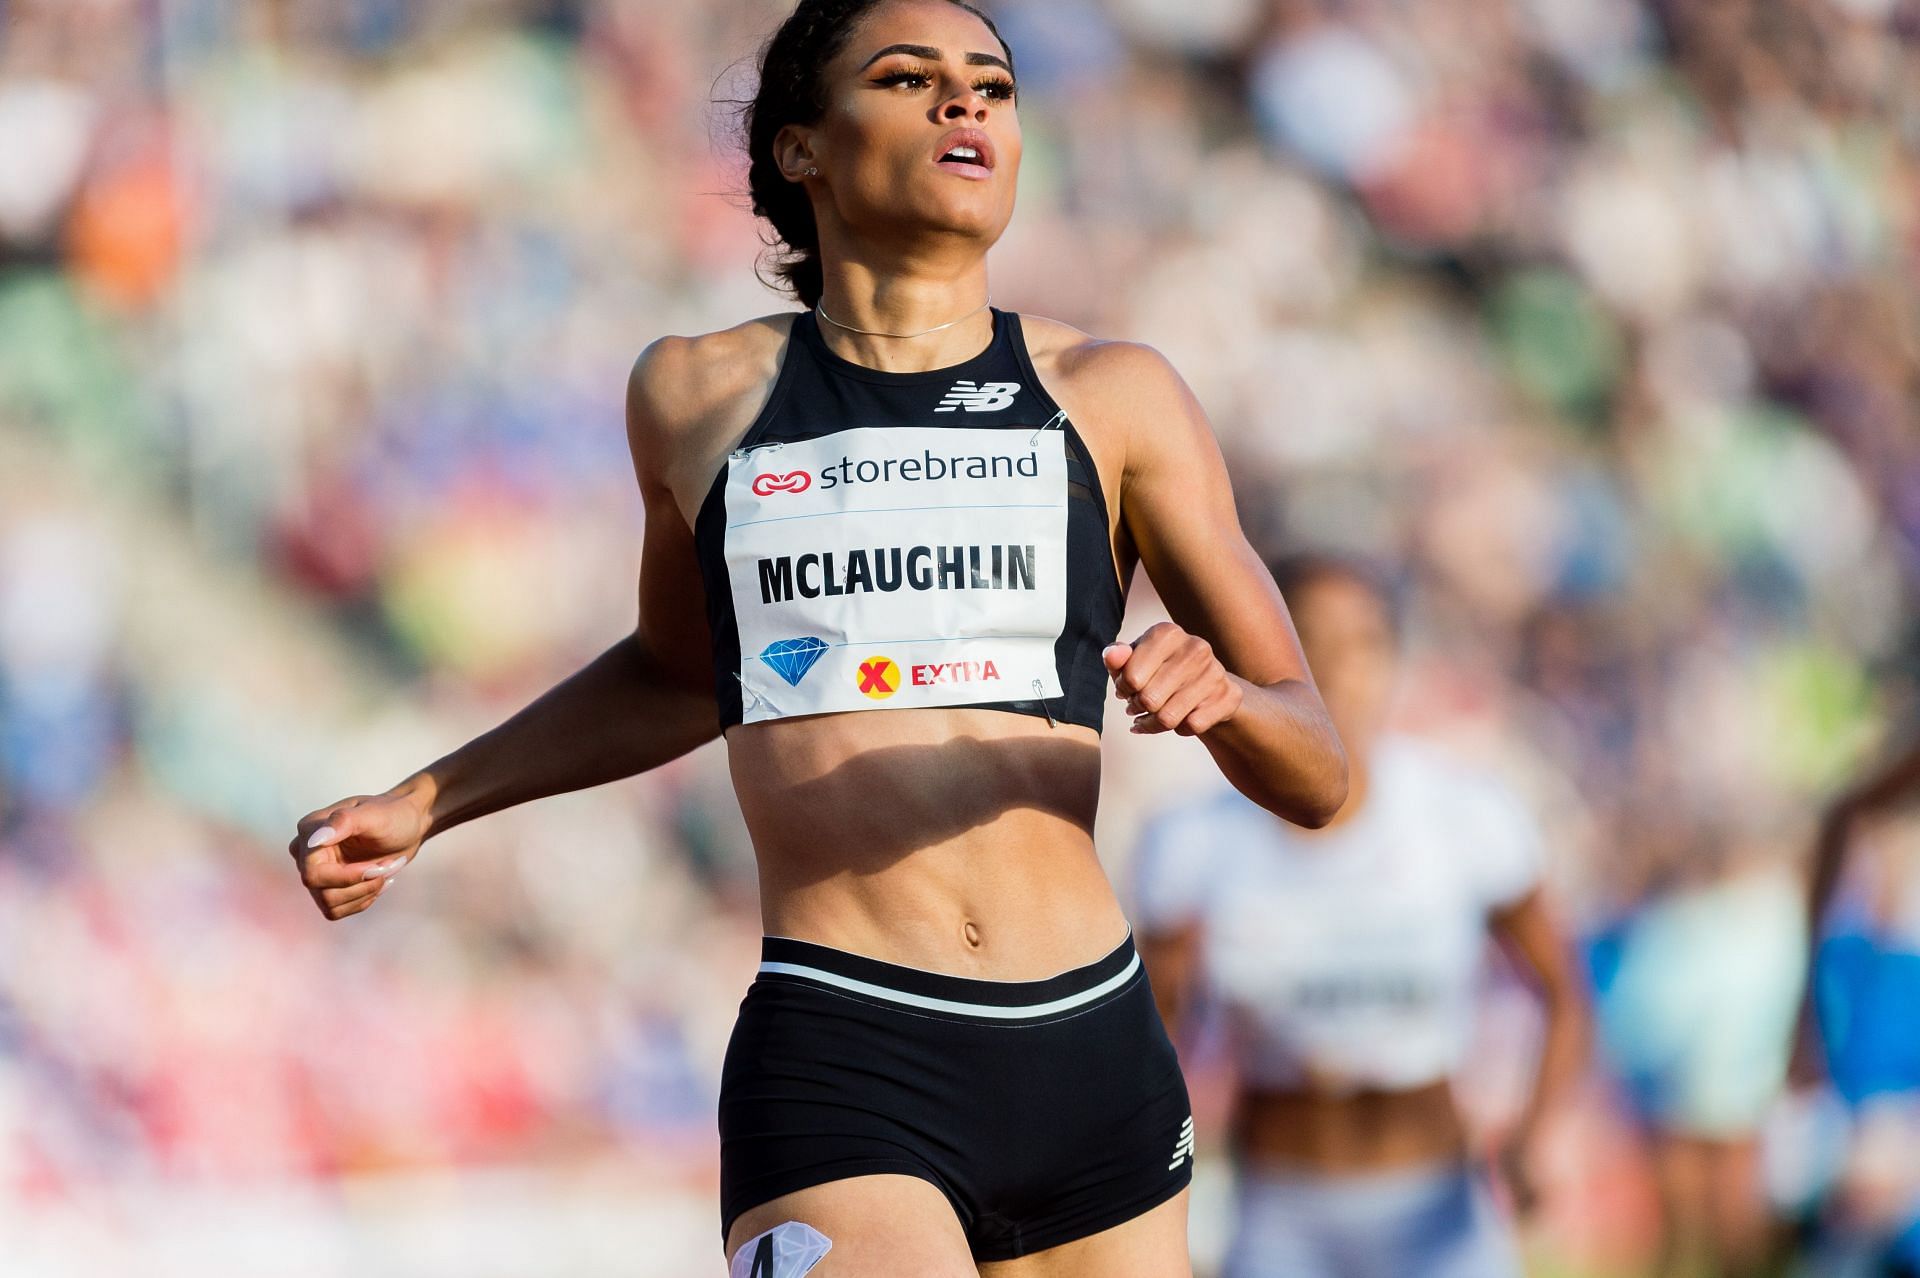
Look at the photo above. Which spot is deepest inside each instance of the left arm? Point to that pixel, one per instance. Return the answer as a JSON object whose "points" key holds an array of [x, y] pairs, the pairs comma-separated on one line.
{"points": [[1229, 669], [1540, 952]]}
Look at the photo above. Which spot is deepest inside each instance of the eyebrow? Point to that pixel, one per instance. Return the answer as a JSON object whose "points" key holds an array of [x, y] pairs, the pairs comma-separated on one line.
{"points": [[932, 54]]}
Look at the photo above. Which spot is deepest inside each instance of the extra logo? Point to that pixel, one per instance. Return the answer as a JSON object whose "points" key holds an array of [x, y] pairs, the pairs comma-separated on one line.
{"points": [[954, 672], [878, 677], [794, 481], [982, 397], [1183, 1151]]}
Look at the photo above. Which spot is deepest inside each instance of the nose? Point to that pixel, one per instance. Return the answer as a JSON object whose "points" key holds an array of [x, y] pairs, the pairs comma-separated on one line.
{"points": [[969, 103]]}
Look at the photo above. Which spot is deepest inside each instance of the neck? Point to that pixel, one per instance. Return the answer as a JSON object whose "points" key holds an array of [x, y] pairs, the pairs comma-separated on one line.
{"points": [[906, 295]]}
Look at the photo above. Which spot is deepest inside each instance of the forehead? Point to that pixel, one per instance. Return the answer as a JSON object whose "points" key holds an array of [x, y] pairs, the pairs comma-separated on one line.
{"points": [[940, 24]]}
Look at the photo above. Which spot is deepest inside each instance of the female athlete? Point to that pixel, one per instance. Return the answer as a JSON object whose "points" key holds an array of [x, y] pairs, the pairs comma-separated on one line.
{"points": [[903, 499], [1344, 962]]}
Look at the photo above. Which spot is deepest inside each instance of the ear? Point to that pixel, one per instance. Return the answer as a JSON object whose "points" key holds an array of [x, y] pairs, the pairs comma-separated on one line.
{"points": [[793, 152]]}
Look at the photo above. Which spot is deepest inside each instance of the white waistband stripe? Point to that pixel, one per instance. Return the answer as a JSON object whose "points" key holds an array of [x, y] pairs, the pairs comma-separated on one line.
{"points": [[1068, 1003]]}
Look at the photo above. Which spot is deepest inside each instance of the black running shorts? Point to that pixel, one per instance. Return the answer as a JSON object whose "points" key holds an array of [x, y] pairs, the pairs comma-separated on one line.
{"points": [[1044, 1110]]}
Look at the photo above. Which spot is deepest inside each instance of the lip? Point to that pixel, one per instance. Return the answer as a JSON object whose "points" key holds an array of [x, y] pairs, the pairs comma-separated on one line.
{"points": [[974, 138]]}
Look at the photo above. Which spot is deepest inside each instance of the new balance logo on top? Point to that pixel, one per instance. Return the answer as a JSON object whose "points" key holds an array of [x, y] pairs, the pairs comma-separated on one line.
{"points": [[1184, 1150], [986, 397]]}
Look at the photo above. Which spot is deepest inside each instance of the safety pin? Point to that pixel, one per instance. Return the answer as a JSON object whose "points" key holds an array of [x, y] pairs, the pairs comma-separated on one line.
{"points": [[1043, 704], [758, 699], [1033, 441], [740, 454]]}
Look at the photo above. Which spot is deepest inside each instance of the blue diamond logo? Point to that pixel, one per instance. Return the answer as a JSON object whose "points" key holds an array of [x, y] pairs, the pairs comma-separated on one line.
{"points": [[792, 658]]}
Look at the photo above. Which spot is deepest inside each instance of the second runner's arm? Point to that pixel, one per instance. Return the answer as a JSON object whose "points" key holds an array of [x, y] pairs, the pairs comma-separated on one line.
{"points": [[1542, 955]]}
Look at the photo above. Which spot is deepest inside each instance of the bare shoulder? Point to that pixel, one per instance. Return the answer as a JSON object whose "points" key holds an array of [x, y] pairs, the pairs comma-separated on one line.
{"points": [[1111, 386], [688, 397], [1073, 356], [679, 381]]}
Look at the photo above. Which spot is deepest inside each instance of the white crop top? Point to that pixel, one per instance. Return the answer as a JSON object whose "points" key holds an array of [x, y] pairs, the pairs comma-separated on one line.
{"points": [[1347, 958]]}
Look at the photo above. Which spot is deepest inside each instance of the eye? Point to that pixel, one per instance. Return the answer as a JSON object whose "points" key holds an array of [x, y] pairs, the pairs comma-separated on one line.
{"points": [[994, 88], [912, 78]]}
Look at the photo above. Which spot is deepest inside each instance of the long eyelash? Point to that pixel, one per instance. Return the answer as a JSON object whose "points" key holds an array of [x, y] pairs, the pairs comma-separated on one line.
{"points": [[898, 77], [901, 76]]}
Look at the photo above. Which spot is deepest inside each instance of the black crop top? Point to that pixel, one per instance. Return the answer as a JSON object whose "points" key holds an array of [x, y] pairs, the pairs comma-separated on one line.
{"points": [[885, 540]]}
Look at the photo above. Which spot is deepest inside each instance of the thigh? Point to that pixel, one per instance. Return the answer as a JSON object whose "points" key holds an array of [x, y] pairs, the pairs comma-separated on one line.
{"points": [[880, 1227], [1738, 1200], [1277, 1231], [1150, 1245], [1472, 1239], [1415, 1223], [1685, 1182]]}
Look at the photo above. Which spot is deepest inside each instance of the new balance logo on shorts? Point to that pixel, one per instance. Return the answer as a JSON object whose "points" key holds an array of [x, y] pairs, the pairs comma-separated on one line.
{"points": [[985, 397], [1184, 1149]]}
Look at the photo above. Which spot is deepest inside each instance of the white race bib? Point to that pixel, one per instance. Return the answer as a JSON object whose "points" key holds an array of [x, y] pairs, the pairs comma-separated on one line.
{"points": [[879, 568]]}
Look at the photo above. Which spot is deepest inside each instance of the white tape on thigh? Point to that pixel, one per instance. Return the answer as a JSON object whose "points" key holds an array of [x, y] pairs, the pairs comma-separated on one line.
{"points": [[785, 1251]]}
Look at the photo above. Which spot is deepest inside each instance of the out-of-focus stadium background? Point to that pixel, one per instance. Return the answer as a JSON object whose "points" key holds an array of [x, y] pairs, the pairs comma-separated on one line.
{"points": [[1595, 319]]}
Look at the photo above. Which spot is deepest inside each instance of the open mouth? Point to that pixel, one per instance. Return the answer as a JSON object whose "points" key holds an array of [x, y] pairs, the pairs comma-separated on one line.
{"points": [[967, 153]]}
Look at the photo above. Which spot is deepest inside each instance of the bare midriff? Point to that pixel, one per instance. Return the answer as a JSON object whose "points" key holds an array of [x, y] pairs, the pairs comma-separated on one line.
{"points": [[1350, 1132], [959, 841]]}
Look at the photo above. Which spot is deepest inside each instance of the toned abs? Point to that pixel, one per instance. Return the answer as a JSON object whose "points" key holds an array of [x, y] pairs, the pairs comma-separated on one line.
{"points": [[955, 839]]}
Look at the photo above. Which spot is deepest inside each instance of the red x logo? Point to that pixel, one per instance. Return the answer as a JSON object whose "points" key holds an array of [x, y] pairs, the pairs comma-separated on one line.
{"points": [[879, 677]]}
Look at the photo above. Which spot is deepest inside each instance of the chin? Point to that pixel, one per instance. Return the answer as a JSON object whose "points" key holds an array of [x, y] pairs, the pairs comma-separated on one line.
{"points": [[979, 218], [979, 228], [937, 200]]}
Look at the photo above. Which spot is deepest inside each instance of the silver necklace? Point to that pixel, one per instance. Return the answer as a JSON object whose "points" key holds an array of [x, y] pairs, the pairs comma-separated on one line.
{"points": [[873, 332]]}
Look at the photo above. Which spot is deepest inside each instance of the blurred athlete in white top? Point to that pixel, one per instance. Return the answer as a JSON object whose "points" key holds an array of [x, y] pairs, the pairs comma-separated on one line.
{"points": [[1344, 962]]}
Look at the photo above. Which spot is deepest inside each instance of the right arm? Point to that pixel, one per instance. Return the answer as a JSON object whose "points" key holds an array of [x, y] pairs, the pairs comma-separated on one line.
{"points": [[1538, 948], [1879, 790], [645, 700]]}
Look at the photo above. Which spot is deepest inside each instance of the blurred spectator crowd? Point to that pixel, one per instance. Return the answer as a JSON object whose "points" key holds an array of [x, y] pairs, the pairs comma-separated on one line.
{"points": [[1593, 319]]}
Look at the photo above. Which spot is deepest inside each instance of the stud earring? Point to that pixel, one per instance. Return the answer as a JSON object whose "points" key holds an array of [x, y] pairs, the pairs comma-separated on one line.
{"points": [[813, 172]]}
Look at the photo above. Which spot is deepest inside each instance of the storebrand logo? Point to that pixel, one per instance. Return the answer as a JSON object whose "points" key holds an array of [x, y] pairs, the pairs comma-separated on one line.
{"points": [[878, 677], [982, 397], [794, 481], [1184, 1149], [927, 467]]}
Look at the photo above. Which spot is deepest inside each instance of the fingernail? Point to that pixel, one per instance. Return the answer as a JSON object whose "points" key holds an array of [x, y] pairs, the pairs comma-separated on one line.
{"points": [[1109, 648], [320, 835], [375, 871]]}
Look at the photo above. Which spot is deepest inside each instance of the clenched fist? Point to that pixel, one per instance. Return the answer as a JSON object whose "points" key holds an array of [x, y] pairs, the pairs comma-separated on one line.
{"points": [[1171, 681], [348, 851]]}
